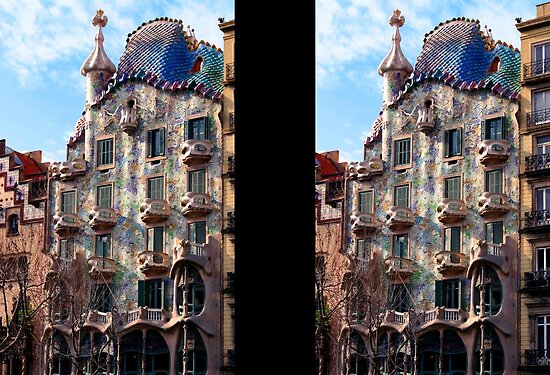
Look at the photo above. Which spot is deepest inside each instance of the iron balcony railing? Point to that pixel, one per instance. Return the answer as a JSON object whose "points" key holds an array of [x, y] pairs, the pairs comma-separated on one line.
{"points": [[335, 190], [537, 279], [537, 162], [230, 164], [536, 68], [230, 221], [535, 219], [230, 71], [231, 120], [37, 190], [537, 357], [538, 118]]}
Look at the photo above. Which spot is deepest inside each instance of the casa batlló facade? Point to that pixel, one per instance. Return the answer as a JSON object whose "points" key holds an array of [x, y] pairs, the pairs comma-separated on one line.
{"points": [[138, 205], [436, 201]]}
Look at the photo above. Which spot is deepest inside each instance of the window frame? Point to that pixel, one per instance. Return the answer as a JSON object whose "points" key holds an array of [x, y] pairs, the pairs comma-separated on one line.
{"points": [[10, 231], [485, 126], [368, 243], [148, 238], [394, 197], [445, 190], [446, 157], [486, 230], [148, 152], [102, 139], [368, 201], [486, 182], [60, 250], [205, 180], [394, 153], [110, 250], [111, 198], [207, 127], [450, 247], [61, 205], [407, 249], [156, 176]]}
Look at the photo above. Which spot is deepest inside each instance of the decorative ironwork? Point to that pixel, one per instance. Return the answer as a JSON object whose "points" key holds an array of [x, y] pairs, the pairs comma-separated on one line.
{"points": [[538, 118], [230, 164], [37, 190], [537, 357], [230, 221], [537, 162], [537, 279], [230, 281], [536, 68], [335, 190], [230, 71], [537, 218], [231, 120]]}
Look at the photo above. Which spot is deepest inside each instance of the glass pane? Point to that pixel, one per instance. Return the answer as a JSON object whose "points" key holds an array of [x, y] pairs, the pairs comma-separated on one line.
{"points": [[365, 201], [158, 239], [452, 188], [68, 202], [401, 196], [156, 188], [104, 196]]}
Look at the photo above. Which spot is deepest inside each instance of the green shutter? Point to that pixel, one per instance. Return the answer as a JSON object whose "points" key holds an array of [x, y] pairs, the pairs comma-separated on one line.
{"points": [[186, 129], [141, 292], [165, 294], [201, 232], [447, 143], [497, 232], [504, 123], [459, 141], [209, 125], [161, 141], [149, 143], [483, 130], [439, 293]]}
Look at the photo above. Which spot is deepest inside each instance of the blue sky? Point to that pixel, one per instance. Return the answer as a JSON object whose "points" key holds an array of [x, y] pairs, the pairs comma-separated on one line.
{"points": [[353, 36], [43, 44]]}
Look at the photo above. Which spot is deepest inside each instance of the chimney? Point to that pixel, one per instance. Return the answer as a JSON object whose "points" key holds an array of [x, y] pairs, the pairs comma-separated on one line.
{"points": [[543, 9], [2, 147]]}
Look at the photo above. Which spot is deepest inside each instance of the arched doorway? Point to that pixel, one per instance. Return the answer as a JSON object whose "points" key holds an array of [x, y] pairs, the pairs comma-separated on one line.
{"points": [[488, 355], [429, 349], [455, 358], [131, 350], [157, 355], [192, 356]]}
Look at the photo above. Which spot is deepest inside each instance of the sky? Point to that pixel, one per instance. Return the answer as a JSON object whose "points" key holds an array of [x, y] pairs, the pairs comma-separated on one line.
{"points": [[43, 44], [354, 36]]}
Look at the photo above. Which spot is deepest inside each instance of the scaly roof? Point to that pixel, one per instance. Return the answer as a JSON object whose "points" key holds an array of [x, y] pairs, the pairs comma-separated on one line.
{"points": [[457, 53]]}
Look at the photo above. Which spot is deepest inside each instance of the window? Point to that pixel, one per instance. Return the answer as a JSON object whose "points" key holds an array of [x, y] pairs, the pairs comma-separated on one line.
{"points": [[151, 293], [493, 128], [452, 239], [398, 297], [103, 245], [195, 292], [155, 188], [66, 249], [540, 102], [488, 282], [540, 55], [365, 201], [104, 196], [197, 128], [401, 245], [364, 249], [543, 336], [358, 363], [543, 258], [448, 293], [402, 152], [197, 181], [453, 188], [102, 297], [401, 196], [453, 142], [105, 152], [493, 181], [13, 224], [197, 237], [494, 232], [155, 142], [543, 198], [543, 145], [155, 239], [68, 202]]}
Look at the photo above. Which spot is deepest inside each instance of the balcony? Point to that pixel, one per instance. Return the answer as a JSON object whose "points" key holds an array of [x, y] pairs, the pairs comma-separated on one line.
{"points": [[537, 221], [537, 164], [229, 223], [396, 320], [128, 120], [231, 121], [230, 71], [153, 263], [197, 151], [196, 205], [230, 168], [102, 218], [493, 253], [536, 360], [196, 253], [365, 170], [398, 268], [536, 69], [37, 190], [65, 222], [538, 119], [537, 280], [425, 122], [98, 319], [363, 223], [450, 263], [230, 283], [493, 205], [494, 152], [399, 218], [143, 314], [101, 268], [154, 210], [451, 210], [442, 315], [68, 170]]}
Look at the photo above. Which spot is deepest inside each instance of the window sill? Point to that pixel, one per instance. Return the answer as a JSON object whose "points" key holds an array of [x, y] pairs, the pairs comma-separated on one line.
{"points": [[12, 234], [105, 168], [452, 158], [155, 158], [402, 168]]}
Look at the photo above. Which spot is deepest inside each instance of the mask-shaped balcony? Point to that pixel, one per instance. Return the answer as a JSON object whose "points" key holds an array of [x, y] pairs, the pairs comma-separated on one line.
{"points": [[365, 170], [425, 122], [399, 218], [197, 151], [447, 316], [398, 268], [153, 262], [65, 222], [68, 170], [99, 320], [450, 263], [128, 119], [494, 151], [493, 253], [196, 253], [154, 210], [102, 218], [396, 320], [451, 210], [101, 268], [196, 204], [493, 204], [363, 223], [145, 315]]}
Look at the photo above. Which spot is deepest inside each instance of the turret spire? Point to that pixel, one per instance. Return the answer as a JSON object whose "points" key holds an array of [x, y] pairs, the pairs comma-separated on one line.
{"points": [[98, 59], [395, 61]]}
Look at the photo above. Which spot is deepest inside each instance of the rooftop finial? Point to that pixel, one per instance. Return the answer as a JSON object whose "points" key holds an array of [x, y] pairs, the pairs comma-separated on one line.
{"points": [[100, 19], [98, 59], [395, 60], [397, 19]]}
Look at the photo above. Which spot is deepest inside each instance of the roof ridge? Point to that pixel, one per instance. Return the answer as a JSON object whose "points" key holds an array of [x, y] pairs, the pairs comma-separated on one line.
{"points": [[470, 20]]}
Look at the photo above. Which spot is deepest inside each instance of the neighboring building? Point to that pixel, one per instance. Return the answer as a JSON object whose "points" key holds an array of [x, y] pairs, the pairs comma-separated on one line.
{"points": [[534, 247], [22, 212], [330, 263], [139, 203], [228, 182], [436, 198]]}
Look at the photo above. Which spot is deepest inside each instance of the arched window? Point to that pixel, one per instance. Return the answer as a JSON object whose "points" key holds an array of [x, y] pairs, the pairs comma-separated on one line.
{"points": [[191, 344], [358, 362], [61, 360], [13, 224], [131, 349], [428, 353], [197, 66], [488, 345], [455, 358], [157, 355], [194, 291], [488, 284], [382, 353]]}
